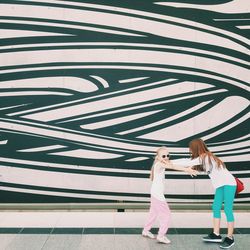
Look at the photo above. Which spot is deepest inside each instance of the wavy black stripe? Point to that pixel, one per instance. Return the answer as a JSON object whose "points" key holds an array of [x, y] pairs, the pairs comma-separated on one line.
{"points": [[74, 191], [110, 173]]}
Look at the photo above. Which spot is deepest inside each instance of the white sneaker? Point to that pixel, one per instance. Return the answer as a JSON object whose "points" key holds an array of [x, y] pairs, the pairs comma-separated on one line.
{"points": [[148, 234], [163, 239]]}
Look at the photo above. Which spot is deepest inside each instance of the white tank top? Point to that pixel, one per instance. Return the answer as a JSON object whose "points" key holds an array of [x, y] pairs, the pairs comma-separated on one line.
{"points": [[157, 188]]}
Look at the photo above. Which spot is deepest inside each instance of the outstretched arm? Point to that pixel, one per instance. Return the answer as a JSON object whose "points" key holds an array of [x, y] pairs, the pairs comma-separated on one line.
{"points": [[188, 170], [169, 165]]}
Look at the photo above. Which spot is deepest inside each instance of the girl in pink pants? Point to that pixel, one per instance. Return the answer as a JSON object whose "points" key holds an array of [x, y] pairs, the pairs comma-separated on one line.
{"points": [[159, 208]]}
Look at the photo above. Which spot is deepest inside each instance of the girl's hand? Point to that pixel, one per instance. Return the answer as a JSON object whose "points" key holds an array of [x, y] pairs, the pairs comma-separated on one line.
{"points": [[165, 161], [191, 171]]}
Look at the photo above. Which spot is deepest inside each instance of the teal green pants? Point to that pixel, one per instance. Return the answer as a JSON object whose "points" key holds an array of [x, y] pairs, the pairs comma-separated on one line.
{"points": [[224, 194]]}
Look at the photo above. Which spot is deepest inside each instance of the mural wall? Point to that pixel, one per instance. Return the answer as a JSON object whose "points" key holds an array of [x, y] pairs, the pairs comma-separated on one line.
{"points": [[89, 90]]}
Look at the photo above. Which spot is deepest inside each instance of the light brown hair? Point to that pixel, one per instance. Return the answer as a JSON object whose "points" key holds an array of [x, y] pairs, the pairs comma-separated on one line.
{"points": [[158, 154], [198, 148]]}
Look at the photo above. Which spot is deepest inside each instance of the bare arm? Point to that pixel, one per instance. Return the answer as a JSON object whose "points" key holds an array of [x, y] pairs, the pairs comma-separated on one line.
{"points": [[169, 165]]}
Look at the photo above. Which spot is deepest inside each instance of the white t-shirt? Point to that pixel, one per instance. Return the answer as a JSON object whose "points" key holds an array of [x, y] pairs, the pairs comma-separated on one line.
{"points": [[157, 188], [219, 176]]}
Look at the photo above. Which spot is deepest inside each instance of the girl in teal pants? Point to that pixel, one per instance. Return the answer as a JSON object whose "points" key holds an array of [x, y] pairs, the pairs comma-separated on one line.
{"points": [[224, 184]]}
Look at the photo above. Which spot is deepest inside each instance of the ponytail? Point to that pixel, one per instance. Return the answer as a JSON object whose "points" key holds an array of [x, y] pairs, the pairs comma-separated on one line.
{"points": [[152, 173], [152, 170]]}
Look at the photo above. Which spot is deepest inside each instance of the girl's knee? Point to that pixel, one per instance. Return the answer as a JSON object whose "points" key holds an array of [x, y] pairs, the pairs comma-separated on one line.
{"points": [[216, 207], [229, 214], [216, 211], [165, 217]]}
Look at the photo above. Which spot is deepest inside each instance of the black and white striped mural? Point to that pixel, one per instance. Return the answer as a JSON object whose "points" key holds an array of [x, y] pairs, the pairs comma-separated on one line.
{"points": [[89, 90]]}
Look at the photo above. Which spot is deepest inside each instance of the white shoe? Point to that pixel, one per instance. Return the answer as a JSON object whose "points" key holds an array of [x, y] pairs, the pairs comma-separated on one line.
{"points": [[148, 234], [163, 239]]}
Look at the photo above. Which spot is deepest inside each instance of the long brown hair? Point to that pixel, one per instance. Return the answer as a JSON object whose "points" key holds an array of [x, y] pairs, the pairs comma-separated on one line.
{"points": [[198, 148]]}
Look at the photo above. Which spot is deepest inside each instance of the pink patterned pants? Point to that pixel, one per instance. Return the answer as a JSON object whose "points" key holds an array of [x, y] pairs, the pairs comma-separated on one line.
{"points": [[158, 209]]}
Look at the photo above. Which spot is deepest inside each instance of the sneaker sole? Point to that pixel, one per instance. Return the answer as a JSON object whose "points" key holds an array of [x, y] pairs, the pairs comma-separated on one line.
{"points": [[227, 247], [161, 242], [216, 241], [147, 237]]}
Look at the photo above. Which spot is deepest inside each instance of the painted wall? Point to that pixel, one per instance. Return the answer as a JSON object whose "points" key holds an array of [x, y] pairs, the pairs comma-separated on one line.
{"points": [[89, 90]]}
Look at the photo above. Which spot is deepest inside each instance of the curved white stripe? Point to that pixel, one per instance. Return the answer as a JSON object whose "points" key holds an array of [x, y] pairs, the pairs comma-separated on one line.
{"points": [[236, 158], [231, 19], [81, 167], [101, 80], [137, 159], [243, 27], [127, 56], [3, 142], [70, 26], [229, 146], [14, 33], [86, 154], [65, 82], [115, 121], [133, 79], [171, 118], [148, 26], [40, 149], [21, 93], [15, 106], [232, 7], [237, 151], [144, 45], [230, 141]]}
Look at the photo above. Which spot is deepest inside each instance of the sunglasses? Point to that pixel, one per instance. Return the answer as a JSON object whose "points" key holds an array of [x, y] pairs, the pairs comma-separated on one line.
{"points": [[164, 156]]}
